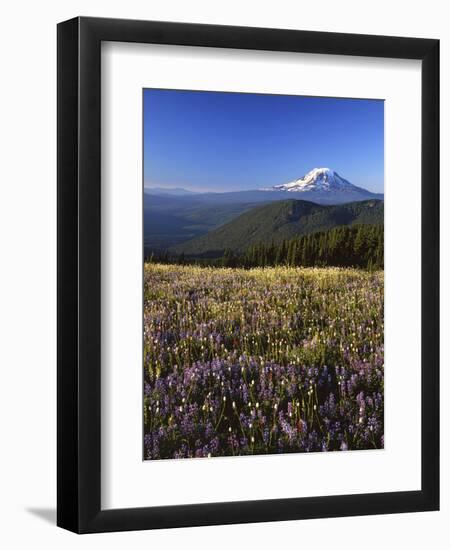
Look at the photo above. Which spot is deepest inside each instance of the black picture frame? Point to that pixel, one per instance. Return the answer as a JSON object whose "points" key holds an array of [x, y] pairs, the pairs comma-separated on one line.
{"points": [[79, 281]]}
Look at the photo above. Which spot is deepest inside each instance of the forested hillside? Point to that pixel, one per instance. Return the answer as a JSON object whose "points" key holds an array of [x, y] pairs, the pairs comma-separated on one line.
{"points": [[346, 246], [277, 222]]}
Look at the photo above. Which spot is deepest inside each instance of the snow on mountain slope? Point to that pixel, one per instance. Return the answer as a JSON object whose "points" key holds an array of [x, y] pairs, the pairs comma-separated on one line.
{"points": [[318, 179]]}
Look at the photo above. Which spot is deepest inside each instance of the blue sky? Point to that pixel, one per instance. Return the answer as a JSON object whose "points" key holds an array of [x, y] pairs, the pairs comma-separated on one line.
{"points": [[214, 141]]}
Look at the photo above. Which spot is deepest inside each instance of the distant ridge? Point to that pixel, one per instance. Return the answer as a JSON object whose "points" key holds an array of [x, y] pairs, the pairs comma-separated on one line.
{"points": [[169, 191]]}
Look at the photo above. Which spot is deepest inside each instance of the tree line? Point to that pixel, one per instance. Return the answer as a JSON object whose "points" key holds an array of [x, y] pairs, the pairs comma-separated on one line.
{"points": [[343, 246]]}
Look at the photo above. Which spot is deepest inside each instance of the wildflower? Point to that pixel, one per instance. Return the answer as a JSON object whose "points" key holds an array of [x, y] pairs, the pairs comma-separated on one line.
{"points": [[241, 309]]}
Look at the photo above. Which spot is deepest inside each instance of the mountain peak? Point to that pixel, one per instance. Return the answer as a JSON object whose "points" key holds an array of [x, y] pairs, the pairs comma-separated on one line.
{"points": [[318, 179]]}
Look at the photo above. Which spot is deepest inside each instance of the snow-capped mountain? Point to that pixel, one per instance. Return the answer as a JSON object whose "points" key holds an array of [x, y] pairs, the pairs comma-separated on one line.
{"points": [[318, 179], [324, 186]]}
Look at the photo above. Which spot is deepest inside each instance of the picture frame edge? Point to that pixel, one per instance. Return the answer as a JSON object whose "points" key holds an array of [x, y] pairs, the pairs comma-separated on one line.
{"points": [[79, 279]]}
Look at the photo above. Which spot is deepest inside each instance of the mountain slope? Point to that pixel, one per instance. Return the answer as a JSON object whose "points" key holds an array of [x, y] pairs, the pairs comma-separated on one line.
{"points": [[322, 179], [324, 186], [278, 221]]}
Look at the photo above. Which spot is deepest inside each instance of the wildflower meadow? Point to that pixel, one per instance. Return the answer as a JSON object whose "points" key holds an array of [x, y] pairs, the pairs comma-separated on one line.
{"points": [[263, 360]]}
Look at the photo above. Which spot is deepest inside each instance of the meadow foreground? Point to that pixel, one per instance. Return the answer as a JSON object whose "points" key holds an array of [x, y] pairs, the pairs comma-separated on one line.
{"points": [[266, 360]]}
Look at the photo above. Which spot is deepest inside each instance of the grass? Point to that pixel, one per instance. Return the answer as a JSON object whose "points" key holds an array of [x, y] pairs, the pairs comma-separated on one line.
{"points": [[259, 361]]}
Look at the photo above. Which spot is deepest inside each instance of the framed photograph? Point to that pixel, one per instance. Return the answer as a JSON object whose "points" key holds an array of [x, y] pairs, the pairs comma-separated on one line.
{"points": [[248, 275]]}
